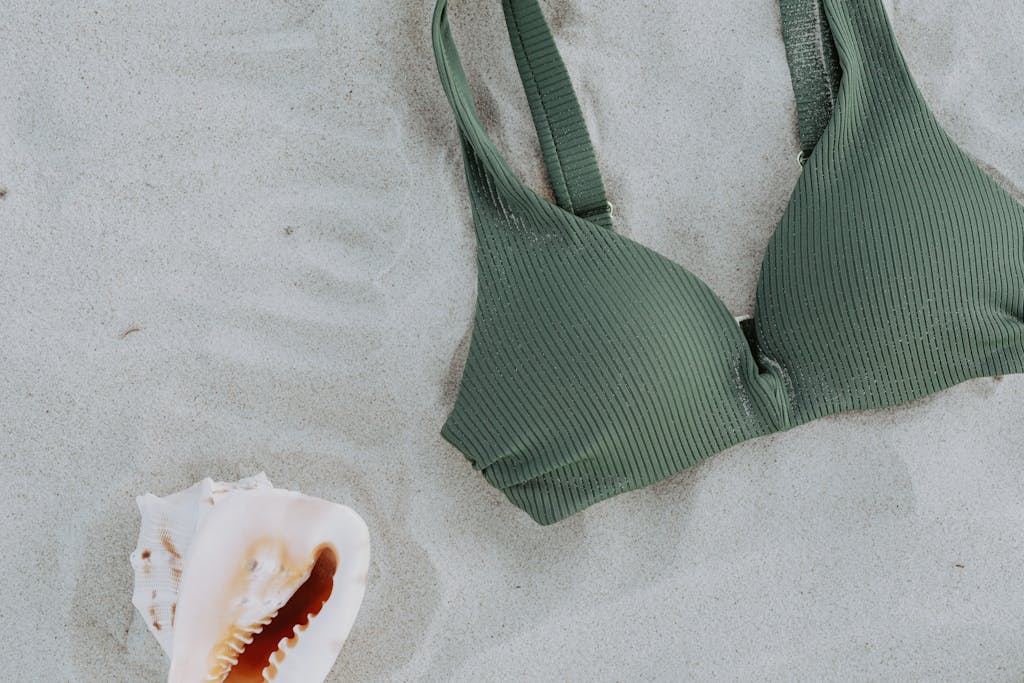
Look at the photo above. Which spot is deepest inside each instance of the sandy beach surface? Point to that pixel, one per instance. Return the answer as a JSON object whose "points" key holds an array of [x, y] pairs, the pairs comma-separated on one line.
{"points": [[236, 238]]}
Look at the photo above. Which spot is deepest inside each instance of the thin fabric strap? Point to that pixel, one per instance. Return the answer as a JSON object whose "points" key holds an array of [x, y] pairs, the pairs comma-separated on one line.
{"points": [[568, 153], [813, 65]]}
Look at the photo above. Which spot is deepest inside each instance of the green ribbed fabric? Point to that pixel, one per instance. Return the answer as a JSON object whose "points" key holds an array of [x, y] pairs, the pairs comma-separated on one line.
{"points": [[597, 366]]}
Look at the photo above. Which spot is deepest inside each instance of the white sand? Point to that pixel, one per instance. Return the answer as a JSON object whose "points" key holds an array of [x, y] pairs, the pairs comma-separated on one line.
{"points": [[269, 193]]}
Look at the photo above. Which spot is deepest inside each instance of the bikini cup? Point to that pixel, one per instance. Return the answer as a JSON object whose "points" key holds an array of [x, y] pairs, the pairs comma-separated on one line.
{"points": [[597, 366]]}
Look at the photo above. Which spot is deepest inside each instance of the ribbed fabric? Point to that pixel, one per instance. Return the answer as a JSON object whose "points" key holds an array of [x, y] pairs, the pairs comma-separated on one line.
{"points": [[597, 366]]}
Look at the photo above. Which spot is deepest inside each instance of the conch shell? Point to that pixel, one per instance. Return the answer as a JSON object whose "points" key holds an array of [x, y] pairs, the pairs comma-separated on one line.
{"points": [[244, 583]]}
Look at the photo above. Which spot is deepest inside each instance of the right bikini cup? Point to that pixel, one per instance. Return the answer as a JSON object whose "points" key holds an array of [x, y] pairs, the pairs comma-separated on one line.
{"points": [[597, 366]]}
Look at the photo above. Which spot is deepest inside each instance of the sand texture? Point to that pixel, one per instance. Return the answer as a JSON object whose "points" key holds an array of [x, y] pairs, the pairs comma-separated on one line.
{"points": [[236, 238]]}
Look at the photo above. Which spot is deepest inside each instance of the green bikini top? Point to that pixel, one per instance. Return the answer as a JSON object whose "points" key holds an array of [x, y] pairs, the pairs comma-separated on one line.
{"points": [[597, 366]]}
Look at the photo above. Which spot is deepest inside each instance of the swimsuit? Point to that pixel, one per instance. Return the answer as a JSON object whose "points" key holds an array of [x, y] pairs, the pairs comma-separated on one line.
{"points": [[597, 366]]}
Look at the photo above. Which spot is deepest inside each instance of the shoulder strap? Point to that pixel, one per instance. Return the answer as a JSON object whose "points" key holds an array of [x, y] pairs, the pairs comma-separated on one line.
{"points": [[813, 66], [568, 152], [565, 143]]}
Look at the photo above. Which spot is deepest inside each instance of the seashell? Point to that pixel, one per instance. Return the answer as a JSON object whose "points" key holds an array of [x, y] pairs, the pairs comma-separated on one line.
{"points": [[242, 582]]}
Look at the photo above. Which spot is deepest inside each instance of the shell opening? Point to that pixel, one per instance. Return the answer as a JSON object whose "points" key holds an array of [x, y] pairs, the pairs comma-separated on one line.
{"points": [[253, 657]]}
